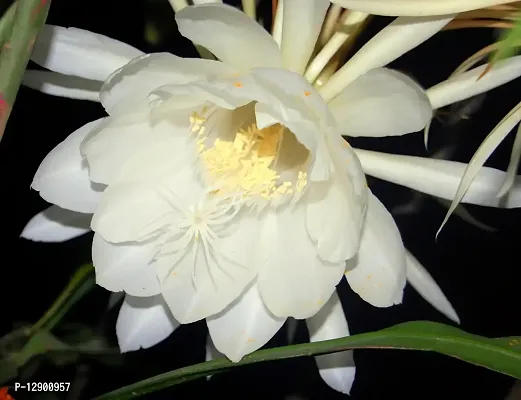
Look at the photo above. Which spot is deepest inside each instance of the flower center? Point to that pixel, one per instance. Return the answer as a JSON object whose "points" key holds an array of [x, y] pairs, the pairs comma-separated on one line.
{"points": [[258, 163]]}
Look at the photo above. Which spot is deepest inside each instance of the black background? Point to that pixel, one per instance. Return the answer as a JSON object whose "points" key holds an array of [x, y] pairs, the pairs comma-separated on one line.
{"points": [[478, 270]]}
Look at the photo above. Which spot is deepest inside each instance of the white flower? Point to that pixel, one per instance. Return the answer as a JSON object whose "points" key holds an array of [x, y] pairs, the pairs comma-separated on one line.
{"points": [[223, 190]]}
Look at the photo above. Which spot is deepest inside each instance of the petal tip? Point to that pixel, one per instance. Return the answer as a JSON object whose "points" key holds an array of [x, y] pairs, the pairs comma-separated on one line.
{"points": [[452, 315], [340, 379]]}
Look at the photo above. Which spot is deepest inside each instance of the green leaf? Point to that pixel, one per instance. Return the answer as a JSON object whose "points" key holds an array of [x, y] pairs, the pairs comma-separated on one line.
{"points": [[29, 17], [508, 43], [501, 355], [6, 24]]}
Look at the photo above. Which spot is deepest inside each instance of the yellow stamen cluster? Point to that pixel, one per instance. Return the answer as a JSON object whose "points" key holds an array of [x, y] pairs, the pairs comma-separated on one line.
{"points": [[246, 164]]}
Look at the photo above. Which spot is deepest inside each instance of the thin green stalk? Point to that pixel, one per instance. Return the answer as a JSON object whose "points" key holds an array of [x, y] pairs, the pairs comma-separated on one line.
{"points": [[82, 281]]}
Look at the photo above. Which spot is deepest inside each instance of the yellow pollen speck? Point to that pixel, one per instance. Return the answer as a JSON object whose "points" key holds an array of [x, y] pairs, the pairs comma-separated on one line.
{"points": [[250, 340], [345, 144], [238, 84], [173, 273], [369, 276], [196, 122], [307, 93]]}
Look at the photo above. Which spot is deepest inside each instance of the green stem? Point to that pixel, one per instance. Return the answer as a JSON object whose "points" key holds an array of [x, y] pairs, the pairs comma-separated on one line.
{"points": [[82, 281], [29, 18]]}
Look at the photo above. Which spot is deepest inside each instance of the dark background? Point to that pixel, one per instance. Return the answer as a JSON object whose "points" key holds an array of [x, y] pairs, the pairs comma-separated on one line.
{"points": [[477, 270]]}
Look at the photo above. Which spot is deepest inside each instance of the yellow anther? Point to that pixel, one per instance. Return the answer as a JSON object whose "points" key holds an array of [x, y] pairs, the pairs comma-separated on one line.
{"points": [[246, 164]]}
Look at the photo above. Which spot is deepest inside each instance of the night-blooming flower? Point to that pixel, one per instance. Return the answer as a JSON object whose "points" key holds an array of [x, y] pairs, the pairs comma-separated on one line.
{"points": [[223, 189]]}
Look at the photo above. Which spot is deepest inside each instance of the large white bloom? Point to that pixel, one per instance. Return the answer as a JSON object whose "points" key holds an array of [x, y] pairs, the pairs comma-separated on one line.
{"points": [[224, 190]]}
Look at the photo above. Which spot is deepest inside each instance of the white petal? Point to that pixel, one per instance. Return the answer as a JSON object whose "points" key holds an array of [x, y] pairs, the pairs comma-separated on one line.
{"points": [[230, 35], [56, 225], [299, 107], [143, 322], [211, 351], [63, 177], [347, 161], [381, 102], [377, 273], [196, 290], [466, 85], [396, 39], [427, 287], [60, 85], [136, 80], [336, 209], [334, 220], [131, 138], [294, 282], [337, 369], [440, 178], [125, 266], [130, 212], [135, 211], [81, 53], [300, 30], [244, 326], [395, 8]]}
